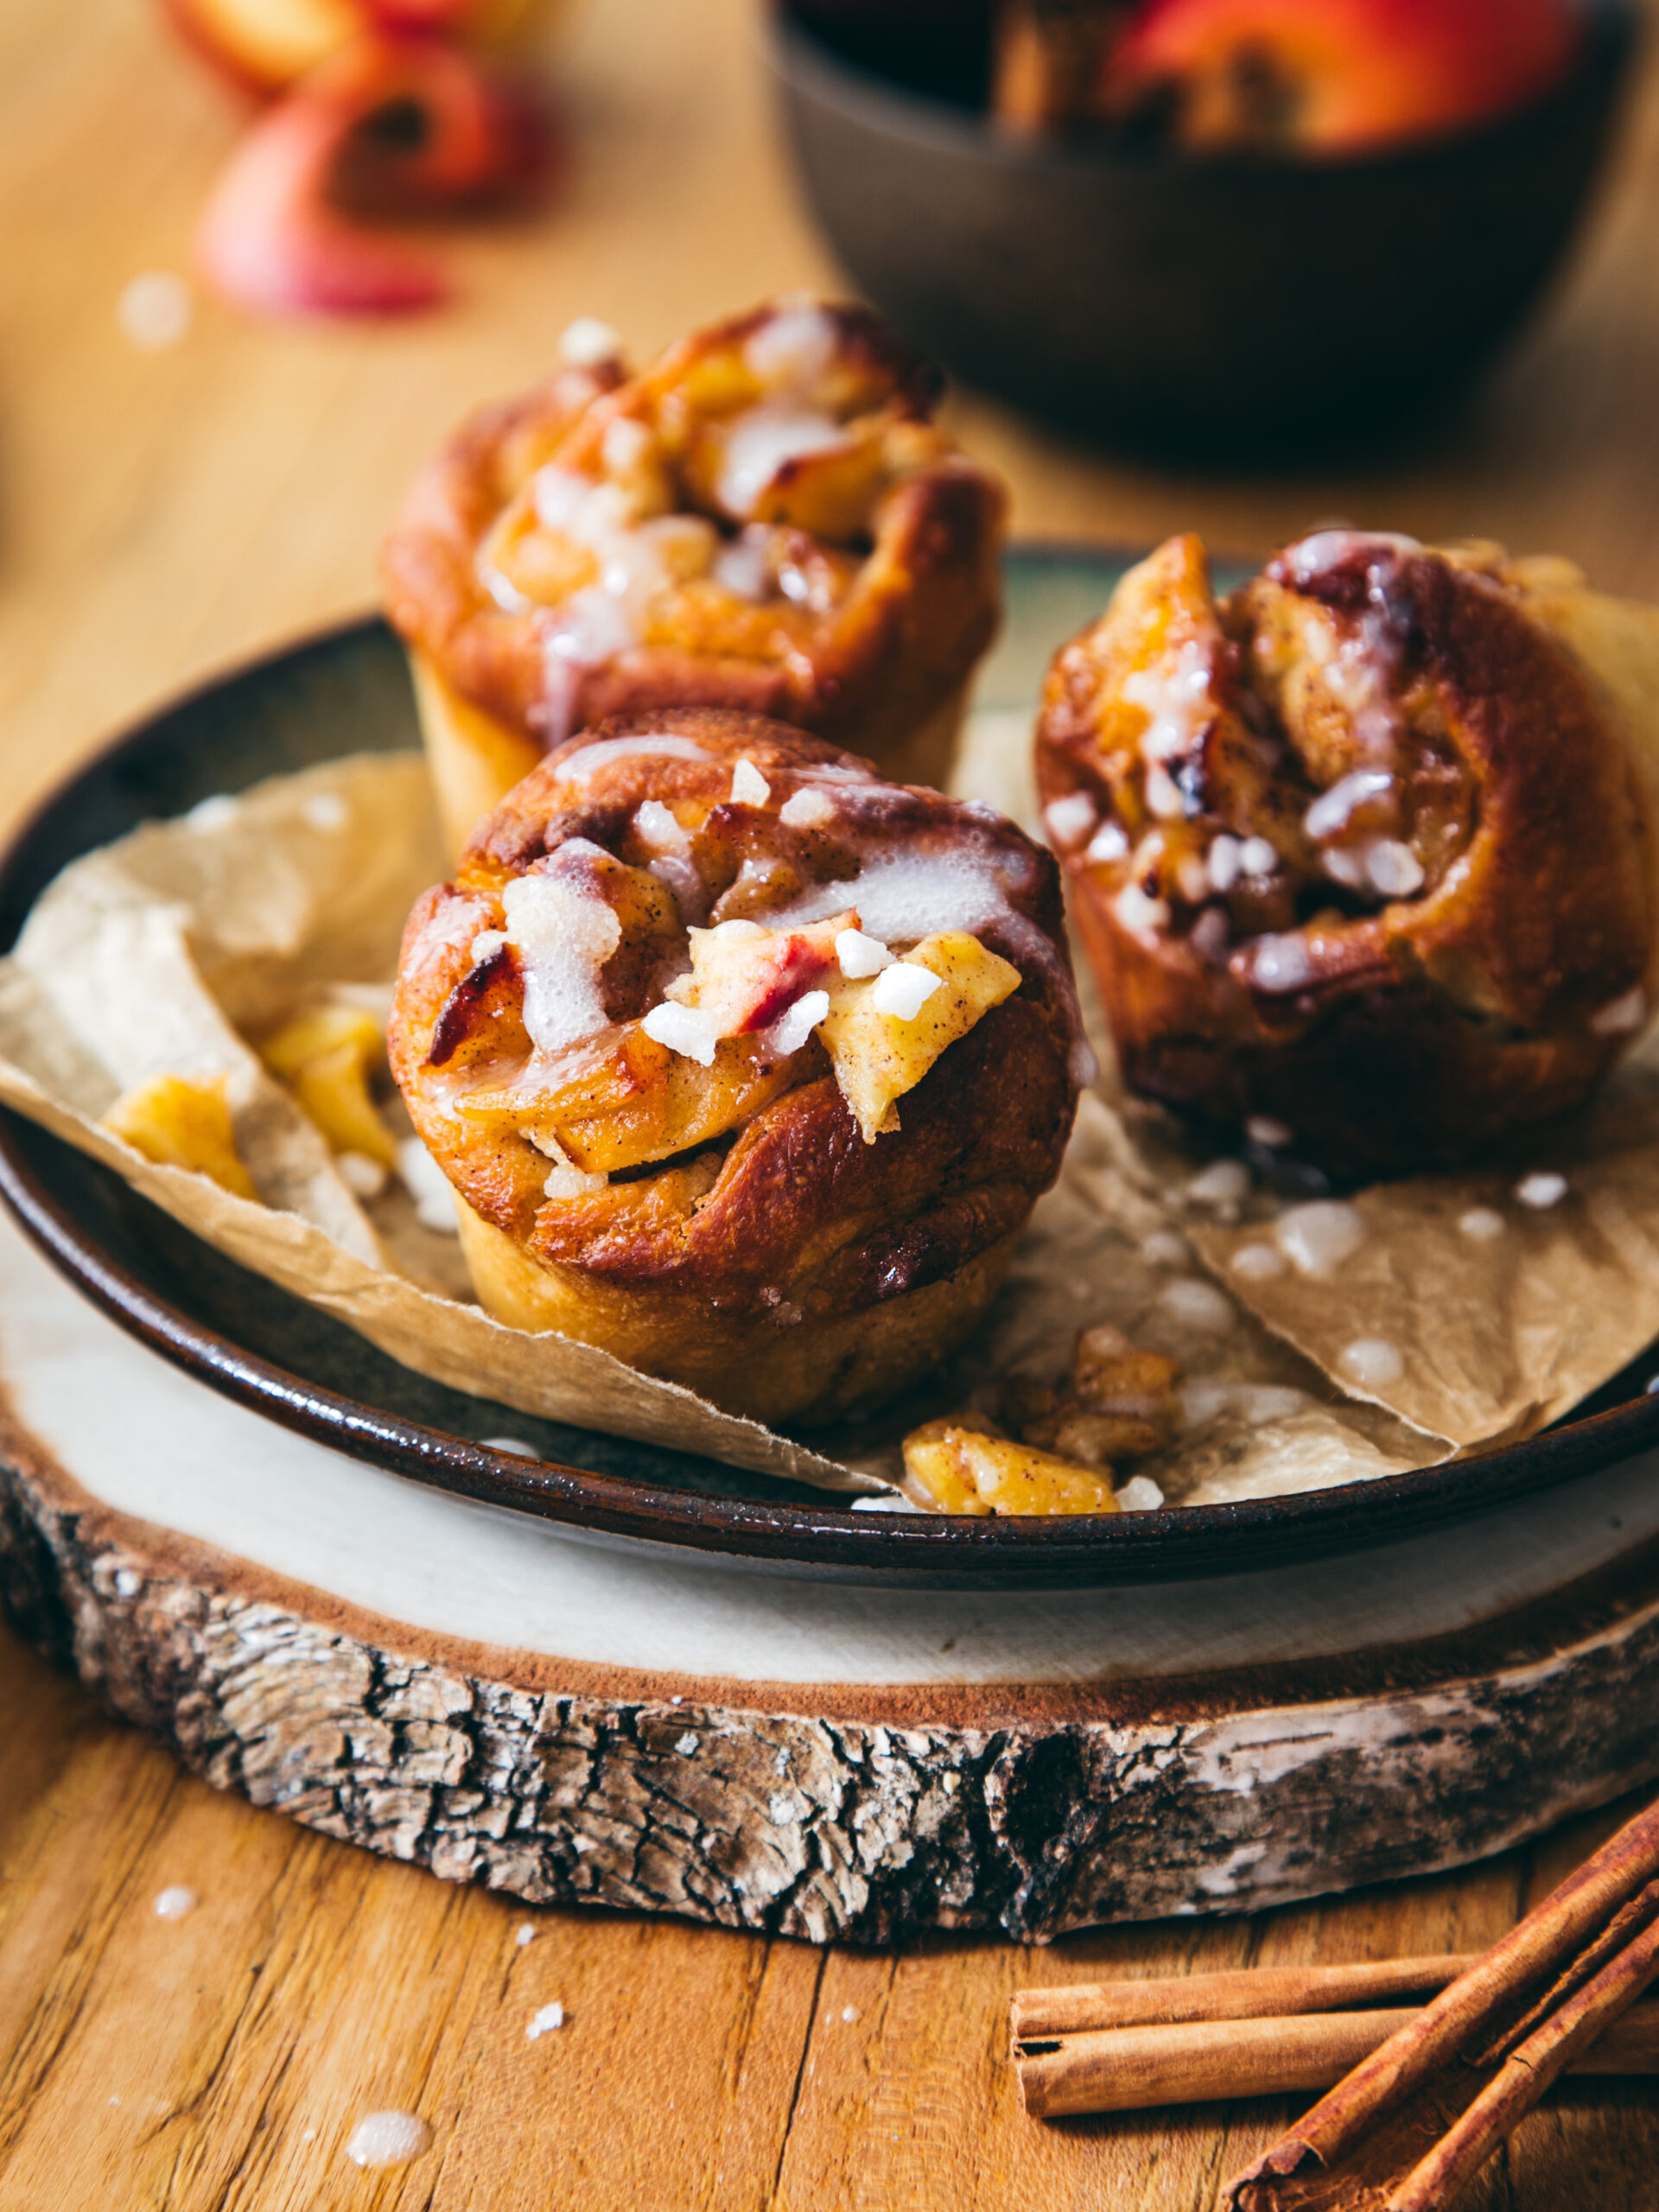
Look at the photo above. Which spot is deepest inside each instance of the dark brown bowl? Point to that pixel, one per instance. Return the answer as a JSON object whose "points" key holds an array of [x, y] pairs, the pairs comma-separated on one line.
{"points": [[1150, 299], [241, 1335]]}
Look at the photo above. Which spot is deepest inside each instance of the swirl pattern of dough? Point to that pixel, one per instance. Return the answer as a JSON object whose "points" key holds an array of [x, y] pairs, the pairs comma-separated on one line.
{"points": [[1366, 852], [746, 1063], [767, 518]]}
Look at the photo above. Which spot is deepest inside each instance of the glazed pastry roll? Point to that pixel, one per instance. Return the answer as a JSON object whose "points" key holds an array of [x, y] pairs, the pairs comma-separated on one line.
{"points": [[744, 1062], [1364, 855], [767, 518]]}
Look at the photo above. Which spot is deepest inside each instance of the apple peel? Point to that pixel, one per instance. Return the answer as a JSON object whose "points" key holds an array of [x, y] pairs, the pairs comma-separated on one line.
{"points": [[403, 125]]}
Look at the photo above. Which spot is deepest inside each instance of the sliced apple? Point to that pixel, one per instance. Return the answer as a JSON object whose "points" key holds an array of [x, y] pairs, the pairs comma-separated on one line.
{"points": [[954, 1467], [325, 1056], [183, 1122], [744, 977], [878, 1056]]}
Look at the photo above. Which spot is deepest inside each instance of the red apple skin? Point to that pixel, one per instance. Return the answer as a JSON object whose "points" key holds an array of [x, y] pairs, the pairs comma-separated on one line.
{"points": [[274, 239], [1364, 74], [746, 986]]}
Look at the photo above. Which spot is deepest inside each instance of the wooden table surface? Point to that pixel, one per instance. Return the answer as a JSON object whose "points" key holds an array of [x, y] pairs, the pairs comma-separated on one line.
{"points": [[162, 514]]}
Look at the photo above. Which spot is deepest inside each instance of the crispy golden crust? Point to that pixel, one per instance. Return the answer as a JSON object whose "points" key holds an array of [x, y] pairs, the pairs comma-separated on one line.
{"points": [[892, 547], [785, 1229], [1455, 938]]}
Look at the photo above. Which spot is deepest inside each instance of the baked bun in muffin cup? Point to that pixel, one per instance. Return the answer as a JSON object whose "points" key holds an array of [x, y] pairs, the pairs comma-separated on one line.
{"points": [[1363, 855], [767, 518], [744, 1062]]}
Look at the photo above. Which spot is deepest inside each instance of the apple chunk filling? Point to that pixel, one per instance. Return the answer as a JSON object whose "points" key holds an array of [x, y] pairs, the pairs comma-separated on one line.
{"points": [[884, 1032]]}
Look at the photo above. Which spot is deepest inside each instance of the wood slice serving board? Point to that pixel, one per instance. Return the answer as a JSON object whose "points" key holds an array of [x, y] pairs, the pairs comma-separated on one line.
{"points": [[507, 1703]]}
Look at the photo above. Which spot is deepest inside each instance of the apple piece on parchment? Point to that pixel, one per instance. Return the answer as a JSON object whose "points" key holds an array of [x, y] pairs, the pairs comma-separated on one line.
{"points": [[1337, 76], [743, 982], [878, 1056]]}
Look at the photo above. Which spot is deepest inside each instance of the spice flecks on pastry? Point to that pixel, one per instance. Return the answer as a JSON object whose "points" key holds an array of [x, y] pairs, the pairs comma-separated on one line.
{"points": [[766, 518], [757, 1095], [1366, 852]]}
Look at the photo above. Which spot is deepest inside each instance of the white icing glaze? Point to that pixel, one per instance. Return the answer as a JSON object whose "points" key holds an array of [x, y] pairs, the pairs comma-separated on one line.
{"points": [[793, 346], [1318, 1237], [1257, 857], [543, 2022], [760, 441], [564, 931], [744, 567], [1166, 1247], [1222, 862], [1326, 549], [580, 766], [1394, 869], [1140, 1495], [1140, 915], [1163, 795], [174, 1902]]}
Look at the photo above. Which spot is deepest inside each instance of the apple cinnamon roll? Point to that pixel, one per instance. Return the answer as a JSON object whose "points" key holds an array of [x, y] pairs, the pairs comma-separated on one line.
{"points": [[1364, 855], [767, 518], [743, 1063]]}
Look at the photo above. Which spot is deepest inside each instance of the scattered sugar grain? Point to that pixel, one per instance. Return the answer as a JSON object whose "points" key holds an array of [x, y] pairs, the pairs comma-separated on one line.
{"points": [[807, 810], [1068, 820], [543, 2023], [684, 1030], [1621, 1015], [173, 1903], [904, 989], [325, 810], [1140, 1495], [128, 1582], [1541, 1191], [215, 813], [849, 2012], [585, 343], [1224, 1182], [1256, 856], [1320, 1235], [363, 1177], [524, 1934], [1280, 964], [1164, 1248], [1198, 1305], [388, 2138], [860, 956], [515, 1445], [428, 1185], [155, 310], [1110, 842], [887, 1503], [740, 930], [1257, 1263], [689, 1744], [1263, 1129], [749, 786], [796, 1024], [1481, 1224], [1371, 1362]]}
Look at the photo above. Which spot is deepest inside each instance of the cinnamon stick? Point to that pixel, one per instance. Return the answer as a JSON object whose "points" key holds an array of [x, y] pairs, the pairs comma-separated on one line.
{"points": [[1407, 2127], [1205, 2061], [1237, 1994]]}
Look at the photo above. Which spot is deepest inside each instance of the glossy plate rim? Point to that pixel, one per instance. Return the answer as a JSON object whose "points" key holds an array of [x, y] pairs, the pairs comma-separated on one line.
{"points": [[808, 1538]]}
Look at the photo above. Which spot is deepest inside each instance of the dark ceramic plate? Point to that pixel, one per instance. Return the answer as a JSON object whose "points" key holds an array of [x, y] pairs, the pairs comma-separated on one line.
{"points": [[257, 1344]]}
